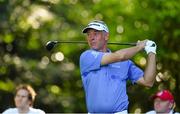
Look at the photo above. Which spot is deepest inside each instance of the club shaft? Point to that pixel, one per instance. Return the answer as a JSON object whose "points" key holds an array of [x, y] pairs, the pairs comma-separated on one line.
{"points": [[117, 43], [109, 43]]}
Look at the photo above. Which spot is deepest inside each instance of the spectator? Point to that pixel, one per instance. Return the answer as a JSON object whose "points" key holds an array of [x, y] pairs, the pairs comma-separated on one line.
{"points": [[24, 99], [163, 103]]}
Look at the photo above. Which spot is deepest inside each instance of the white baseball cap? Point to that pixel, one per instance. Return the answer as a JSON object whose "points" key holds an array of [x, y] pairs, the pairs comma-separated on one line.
{"points": [[97, 25]]}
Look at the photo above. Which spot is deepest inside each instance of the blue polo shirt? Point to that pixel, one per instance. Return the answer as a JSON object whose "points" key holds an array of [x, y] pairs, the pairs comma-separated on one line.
{"points": [[105, 86]]}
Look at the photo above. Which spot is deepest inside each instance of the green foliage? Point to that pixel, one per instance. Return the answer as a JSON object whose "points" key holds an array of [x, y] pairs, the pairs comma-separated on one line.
{"points": [[26, 26]]}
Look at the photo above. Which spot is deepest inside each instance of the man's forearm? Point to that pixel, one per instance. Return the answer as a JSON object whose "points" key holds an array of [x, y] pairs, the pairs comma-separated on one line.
{"points": [[150, 70], [123, 54], [128, 52], [120, 55]]}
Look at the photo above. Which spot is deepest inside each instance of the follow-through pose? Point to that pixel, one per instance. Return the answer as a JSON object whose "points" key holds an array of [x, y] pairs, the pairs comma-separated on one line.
{"points": [[105, 73]]}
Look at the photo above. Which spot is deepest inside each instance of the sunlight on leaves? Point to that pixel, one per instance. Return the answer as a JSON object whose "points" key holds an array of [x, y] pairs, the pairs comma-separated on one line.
{"points": [[172, 84], [55, 89], [159, 66], [65, 103], [6, 86], [8, 38], [120, 29], [142, 61], [44, 62], [7, 58], [59, 56], [159, 77], [68, 66], [38, 15], [17, 61], [52, 1], [137, 111]]}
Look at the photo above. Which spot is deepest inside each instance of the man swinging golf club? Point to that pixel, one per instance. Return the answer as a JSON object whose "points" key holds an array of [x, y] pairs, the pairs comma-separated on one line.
{"points": [[104, 73]]}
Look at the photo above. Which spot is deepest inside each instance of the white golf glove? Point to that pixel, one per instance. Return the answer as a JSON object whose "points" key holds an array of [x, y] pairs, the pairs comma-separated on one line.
{"points": [[150, 47]]}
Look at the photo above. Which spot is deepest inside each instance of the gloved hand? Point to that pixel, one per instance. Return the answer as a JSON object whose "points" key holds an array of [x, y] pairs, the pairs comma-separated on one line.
{"points": [[150, 47]]}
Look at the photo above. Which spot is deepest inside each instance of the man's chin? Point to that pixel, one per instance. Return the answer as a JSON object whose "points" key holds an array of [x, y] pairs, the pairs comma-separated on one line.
{"points": [[94, 48], [159, 111], [19, 106]]}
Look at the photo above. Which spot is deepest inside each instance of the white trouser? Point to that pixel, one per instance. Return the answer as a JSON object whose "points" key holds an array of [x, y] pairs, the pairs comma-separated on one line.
{"points": [[122, 112]]}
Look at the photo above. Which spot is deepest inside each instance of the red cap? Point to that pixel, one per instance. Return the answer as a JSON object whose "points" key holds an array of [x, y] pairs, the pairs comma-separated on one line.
{"points": [[164, 95]]}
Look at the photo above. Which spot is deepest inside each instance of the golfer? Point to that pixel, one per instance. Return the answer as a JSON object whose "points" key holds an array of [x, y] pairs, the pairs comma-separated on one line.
{"points": [[104, 73]]}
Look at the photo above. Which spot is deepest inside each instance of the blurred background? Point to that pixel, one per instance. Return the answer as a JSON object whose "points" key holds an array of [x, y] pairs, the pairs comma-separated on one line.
{"points": [[27, 25]]}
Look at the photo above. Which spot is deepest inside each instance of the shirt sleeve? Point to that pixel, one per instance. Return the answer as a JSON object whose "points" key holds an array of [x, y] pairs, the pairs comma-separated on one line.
{"points": [[90, 60], [134, 73]]}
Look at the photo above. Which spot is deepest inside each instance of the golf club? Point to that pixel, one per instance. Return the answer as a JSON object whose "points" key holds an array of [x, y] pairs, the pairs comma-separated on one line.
{"points": [[51, 44]]}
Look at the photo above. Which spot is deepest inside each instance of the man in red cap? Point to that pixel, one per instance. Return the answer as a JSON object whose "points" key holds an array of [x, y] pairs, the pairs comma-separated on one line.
{"points": [[163, 103]]}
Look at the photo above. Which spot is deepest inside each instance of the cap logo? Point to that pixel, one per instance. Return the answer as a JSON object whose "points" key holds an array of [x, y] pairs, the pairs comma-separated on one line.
{"points": [[93, 24], [97, 25], [160, 93]]}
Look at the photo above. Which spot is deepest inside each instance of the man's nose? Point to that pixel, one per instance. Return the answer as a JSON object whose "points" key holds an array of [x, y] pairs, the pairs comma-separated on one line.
{"points": [[157, 103], [92, 36]]}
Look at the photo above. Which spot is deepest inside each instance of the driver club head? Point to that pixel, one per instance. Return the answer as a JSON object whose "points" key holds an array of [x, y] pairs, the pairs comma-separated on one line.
{"points": [[50, 45]]}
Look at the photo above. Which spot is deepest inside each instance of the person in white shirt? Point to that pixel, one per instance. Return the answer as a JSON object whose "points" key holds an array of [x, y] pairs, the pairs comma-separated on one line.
{"points": [[163, 103], [24, 99]]}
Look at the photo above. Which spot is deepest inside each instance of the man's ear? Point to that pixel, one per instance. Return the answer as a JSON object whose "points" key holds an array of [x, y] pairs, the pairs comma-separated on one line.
{"points": [[171, 105], [30, 103], [174, 105], [106, 36]]}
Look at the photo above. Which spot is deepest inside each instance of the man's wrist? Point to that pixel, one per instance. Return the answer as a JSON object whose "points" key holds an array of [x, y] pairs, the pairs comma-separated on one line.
{"points": [[151, 53], [139, 48]]}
